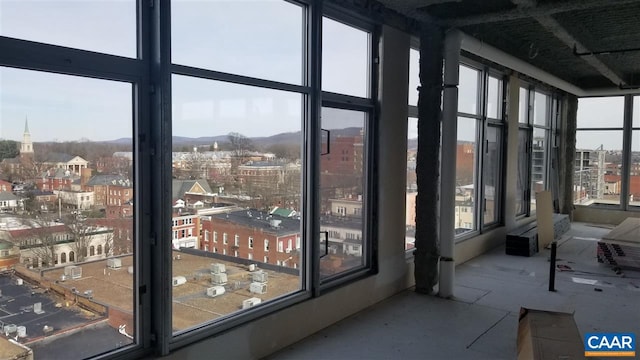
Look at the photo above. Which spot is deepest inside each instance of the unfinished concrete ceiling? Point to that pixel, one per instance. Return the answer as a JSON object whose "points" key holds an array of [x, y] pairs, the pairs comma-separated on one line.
{"points": [[592, 44]]}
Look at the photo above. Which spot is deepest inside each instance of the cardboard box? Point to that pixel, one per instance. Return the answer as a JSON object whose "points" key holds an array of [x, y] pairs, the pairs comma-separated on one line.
{"points": [[548, 335]]}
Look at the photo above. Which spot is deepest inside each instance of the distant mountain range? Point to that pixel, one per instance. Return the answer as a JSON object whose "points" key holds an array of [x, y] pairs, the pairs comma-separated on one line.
{"points": [[282, 138]]}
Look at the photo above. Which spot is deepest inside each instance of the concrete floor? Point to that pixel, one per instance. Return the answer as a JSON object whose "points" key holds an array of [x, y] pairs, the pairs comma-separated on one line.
{"points": [[482, 321]]}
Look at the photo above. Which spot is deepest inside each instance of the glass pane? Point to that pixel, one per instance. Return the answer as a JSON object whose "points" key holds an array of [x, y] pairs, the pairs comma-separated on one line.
{"points": [[494, 98], [412, 185], [606, 112], [540, 110], [239, 37], [523, 172], [523, 116], [345, 59], [342, 191], [107, 26], [465, 176], [468, 90], [68, 220], [236, 198], [634, 184], [636, 112], [539, 150], [491, 174], [414, 76], [598, 168]]}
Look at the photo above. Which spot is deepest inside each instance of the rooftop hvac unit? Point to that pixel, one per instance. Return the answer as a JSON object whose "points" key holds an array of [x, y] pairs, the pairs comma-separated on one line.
{"points": [[114, 263], [258, 288], [89, 294], [73, 272], [218, 268], [253, 267], [179, 280], [259, 276], [219, 279], [251, 302], [215, 291], [22, 331], [37, 308], [275, 223], [10, 329]]}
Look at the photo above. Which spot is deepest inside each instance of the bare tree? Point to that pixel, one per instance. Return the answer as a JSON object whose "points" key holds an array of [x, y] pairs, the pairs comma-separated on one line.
{"points": [[108, 244], [82, 234], [40, 239], [240, 144]]}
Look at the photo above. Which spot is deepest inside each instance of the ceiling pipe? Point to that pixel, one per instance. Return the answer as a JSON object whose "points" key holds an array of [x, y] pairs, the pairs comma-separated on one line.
{"points": [[493, 54]]}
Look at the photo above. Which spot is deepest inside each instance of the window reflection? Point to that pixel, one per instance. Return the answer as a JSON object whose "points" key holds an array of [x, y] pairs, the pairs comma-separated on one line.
{"points": [[523, 106], [414, 76], [468, 90], [523, 172], [342, 192], [345, 59], [494, 98], [221, 36], [107, 26], [412, 186], [491, 174], [465, 176], [237, 172]]}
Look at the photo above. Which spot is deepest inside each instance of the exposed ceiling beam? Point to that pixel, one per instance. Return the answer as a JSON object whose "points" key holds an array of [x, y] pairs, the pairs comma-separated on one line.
{"points": [[545, 9], [553, 26]]}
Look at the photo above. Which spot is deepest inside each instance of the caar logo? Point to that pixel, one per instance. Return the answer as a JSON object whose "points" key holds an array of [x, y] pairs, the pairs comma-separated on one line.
{"points": [[609, 344]]}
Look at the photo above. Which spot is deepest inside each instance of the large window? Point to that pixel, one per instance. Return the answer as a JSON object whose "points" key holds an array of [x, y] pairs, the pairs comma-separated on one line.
{"points": [[71, 134], [634, 168], [599, 151], [412, 185], [345, 133], [243, 139], [210, 127], [412, 149], [479, 150], [536, 113]]}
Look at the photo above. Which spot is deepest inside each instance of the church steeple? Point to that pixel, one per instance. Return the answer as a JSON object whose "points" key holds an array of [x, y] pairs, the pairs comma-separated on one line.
{"points": [[26, 147]]}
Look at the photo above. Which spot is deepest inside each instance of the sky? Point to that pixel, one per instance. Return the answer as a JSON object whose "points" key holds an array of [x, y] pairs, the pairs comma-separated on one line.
{"points": [[235, 36]]}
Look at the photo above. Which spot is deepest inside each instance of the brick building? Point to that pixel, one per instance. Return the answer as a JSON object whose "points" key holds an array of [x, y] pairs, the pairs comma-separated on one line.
{"points": [[185, 230], [56, 179], [112, 190], [253, 235]]}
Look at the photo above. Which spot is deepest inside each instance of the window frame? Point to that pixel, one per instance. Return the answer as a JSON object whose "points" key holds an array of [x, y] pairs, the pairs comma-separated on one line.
{"points": [[368, 106], [150, 77], [627, 130], [483, 122], [550, 128]]}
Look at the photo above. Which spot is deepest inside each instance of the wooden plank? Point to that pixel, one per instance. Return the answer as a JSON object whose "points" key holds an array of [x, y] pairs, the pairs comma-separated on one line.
{"points": [[544, 214], [628, 231]]}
